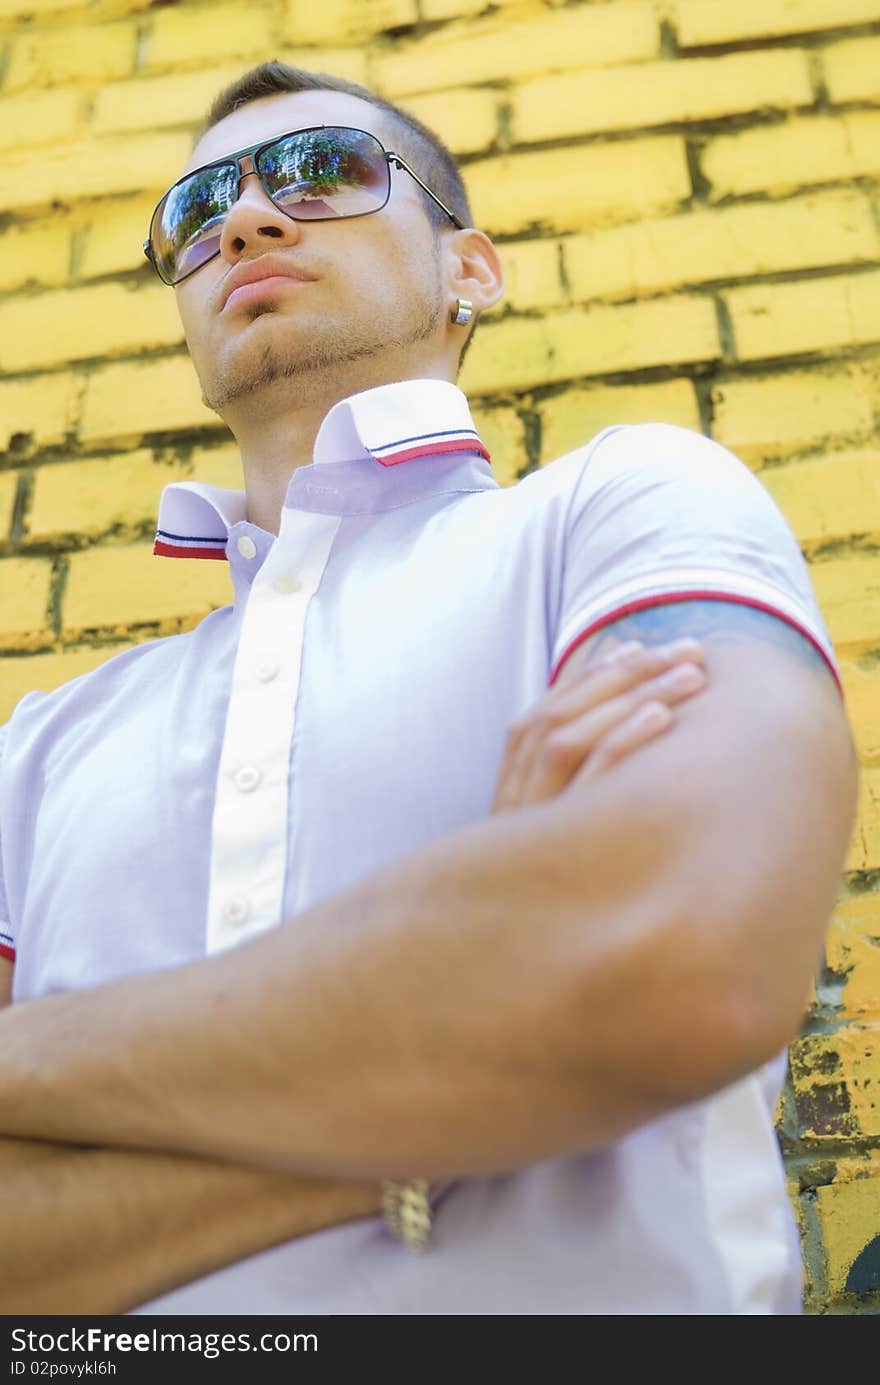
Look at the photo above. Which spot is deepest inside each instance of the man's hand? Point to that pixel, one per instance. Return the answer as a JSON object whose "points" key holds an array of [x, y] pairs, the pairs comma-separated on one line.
{"points": [[593, 717]]}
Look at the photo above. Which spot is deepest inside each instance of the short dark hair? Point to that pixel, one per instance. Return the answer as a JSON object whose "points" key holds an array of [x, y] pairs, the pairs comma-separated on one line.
{"points": [[427, 153]]}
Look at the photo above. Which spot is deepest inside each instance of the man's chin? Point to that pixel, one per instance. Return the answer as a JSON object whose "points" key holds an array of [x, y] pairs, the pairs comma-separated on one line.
{"points": [[262, 362]]}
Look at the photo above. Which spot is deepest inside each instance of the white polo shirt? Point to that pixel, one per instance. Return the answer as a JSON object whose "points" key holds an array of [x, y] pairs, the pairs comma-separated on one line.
{"points": [[348, 707]]}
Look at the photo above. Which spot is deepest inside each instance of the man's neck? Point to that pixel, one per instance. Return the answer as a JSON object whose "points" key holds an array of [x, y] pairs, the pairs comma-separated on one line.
{"points": [[276, 429]]}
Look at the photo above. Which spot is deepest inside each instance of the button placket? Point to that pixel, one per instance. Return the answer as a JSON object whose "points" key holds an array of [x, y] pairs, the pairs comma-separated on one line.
{"points": [[250, 836]]}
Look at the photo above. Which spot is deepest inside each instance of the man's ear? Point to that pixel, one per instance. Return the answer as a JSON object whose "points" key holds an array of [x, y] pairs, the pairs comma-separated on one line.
{"points": [[474, 269]]}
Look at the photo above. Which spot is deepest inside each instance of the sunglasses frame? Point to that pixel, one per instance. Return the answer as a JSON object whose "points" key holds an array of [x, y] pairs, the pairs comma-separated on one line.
{"points": [[252, 154]]}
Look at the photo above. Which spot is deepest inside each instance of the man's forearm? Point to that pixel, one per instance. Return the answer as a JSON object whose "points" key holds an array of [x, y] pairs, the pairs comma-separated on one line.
{"points": [[457, 1012], [101, 1231]]}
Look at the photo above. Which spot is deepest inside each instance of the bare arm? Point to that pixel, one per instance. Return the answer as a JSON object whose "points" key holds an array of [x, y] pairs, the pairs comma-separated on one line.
{"points": [[513, 990], [100, 1231]]}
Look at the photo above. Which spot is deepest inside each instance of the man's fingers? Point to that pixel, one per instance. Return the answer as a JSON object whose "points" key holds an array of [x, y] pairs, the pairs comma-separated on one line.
{"points": [[647, 721], [601, 699], [550, 743], [565, 755], [623, 668]]}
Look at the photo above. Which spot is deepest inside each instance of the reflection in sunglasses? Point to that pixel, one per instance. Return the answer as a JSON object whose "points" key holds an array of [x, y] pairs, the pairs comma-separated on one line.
{"points": [[311, 175]]}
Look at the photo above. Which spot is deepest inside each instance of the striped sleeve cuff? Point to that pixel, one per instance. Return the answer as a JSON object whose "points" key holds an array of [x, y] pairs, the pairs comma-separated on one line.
{"points": [[588, 621]]}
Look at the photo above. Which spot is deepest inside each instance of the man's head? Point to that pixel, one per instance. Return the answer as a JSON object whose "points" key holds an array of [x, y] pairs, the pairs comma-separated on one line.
{"points": [[377, 305]]}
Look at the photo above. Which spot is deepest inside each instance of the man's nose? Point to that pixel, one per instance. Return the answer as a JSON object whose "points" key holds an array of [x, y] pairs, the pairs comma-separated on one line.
{"points": [[254, 223]]}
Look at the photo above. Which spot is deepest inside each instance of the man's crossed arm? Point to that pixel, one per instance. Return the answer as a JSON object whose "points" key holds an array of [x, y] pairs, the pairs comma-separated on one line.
{"points": [[541, 982], [100, 1230]]}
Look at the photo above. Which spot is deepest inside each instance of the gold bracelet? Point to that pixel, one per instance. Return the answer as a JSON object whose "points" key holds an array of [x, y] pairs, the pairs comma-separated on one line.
{"points": [[408, 1211]]}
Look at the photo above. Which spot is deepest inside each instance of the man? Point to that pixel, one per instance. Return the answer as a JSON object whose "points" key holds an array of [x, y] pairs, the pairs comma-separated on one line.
{"points": [[334, 894]]}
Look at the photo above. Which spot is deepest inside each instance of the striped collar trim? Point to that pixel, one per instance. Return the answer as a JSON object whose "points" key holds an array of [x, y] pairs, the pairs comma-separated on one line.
{"points": [[390, 424], [167, 545], [430, 445]]}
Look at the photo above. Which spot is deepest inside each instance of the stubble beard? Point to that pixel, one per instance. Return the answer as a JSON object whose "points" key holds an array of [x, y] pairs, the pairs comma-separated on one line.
{"points": [[312, 357]]}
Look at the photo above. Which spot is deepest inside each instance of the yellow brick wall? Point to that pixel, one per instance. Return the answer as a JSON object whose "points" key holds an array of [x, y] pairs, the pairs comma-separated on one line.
{"points": [[687, 196]]}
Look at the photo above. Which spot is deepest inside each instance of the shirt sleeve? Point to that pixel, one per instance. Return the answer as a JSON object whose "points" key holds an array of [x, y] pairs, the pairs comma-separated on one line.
{"points": [[7, 944], [660, 513]]}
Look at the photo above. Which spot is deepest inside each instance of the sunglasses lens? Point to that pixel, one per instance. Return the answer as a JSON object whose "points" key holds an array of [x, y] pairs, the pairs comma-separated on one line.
{"points": [[187, 224], [320, 174]]}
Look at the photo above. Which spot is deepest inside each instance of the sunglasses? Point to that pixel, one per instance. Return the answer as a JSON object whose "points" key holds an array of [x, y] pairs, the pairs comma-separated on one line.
{"points": [[318, 174]]}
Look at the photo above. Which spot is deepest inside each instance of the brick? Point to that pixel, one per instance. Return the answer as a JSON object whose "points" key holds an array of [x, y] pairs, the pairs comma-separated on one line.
{"points": [[128, 400], [197, 34], [503, 432], [815, 315], [848, 591], [862, 692], [569, 420], [97, 53], [503, 48], [36, 118], [42, 408], [433, 10], [350, 20], [771, 415], [50, 328], [8, 487], [699, 23], [112, 239], [87, 498], [532, 275], [466, 121], [852, 945], [34, 254], [864, 851], [569, 190], [849, 1215], [184, 98], [114, 588], [98, 9], [522, 353], [92, 168], [852, 69], [802, 152], [44, 672], [13, 9], [829, 497], [659, 93], [118, 493], [24, 602], [836, 1079], [646, 256], [149, 103]]}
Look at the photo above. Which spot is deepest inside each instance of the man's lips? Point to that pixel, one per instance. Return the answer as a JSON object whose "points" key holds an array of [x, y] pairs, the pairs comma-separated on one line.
{"points": [[267, 273], [262, 288]]}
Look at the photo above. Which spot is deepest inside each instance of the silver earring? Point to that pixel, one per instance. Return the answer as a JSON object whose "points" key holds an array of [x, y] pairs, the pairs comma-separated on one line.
{"points": [[463, 311]]}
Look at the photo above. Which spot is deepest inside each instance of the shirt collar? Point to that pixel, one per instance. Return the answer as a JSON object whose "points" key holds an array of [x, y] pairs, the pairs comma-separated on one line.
{"points": [[375, 450]]}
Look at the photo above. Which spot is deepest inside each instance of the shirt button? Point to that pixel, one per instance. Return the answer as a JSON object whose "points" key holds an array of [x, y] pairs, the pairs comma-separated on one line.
{"points": [[236, 910], [246, 546], [247, 778], [266, 670], [287, 584]]}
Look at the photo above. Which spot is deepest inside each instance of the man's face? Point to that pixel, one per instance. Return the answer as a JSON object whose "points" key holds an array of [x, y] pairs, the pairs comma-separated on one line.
{"points": [[378, 281]]}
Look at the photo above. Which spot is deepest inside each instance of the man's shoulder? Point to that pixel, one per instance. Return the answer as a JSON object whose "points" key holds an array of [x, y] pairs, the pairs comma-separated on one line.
{"points": [[562, 472], [123, 673], [642, 452]]}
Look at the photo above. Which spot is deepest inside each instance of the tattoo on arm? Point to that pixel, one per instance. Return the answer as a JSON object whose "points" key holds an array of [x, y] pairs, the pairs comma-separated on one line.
{"points": [[716, 622]]}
